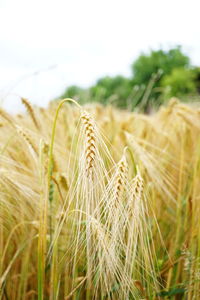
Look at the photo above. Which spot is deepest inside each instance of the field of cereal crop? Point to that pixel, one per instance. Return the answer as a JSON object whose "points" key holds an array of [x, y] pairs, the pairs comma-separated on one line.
{"points": [[99, 203]]}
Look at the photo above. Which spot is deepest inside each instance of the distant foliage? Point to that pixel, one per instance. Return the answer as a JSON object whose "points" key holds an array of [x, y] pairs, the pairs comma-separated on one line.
{"points": [[164, 61], [73, 91], [117, 87], [156, 77], [196, 72], [180, 82]]}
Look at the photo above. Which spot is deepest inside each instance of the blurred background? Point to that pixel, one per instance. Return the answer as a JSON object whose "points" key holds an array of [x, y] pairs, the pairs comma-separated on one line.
{"points": [[133, 54]]}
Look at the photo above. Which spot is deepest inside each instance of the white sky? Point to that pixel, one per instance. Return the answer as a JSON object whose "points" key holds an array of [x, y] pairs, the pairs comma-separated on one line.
{"points": [[46, 45]]}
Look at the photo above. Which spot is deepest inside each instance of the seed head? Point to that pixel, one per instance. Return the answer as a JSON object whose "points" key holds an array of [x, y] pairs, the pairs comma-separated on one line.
{"points": [[31, 112], [90, 150], [121, 177]]}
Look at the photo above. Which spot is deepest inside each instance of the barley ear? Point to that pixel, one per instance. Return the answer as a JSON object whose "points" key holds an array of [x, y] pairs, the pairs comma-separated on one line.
{"points": [[31, 112], [7, 117], [90, 150], [27, 138], [121, 177]]}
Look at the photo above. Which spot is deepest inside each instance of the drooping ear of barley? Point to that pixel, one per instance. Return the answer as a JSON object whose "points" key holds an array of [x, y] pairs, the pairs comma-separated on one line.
{"points": [[7, 117], [31, 112], [27, 138]]}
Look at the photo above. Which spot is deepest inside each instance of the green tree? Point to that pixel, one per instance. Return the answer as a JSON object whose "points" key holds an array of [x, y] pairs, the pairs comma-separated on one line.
{"points": [[152, 69], [158, 61], [196, 71], [179, 83]]}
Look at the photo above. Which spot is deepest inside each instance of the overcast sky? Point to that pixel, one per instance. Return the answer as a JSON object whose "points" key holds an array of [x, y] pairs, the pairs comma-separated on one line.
{"points": [[47, 45]]}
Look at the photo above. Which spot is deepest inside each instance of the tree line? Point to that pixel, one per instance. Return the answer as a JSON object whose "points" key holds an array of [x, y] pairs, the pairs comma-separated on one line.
{"points": [[155, 77]]}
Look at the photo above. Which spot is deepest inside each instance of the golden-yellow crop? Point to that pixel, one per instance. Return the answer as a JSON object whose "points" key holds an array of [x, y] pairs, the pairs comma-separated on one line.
{"points": [[99, 203]]}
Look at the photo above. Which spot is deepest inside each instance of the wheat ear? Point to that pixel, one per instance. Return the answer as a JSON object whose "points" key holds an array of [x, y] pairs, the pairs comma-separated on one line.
{"points": [[27, 138], [31, 112], [138, 186], [121, 177], [6, 116], [90, 149]]}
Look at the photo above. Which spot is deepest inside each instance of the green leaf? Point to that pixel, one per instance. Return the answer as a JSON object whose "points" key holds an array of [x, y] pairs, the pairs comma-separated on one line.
{"points": [[172, 292]]}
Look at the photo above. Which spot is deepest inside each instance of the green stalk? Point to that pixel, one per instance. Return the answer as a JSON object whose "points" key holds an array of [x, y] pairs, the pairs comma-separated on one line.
{"points": [[42, 230], [50, 193], [50, 165]]}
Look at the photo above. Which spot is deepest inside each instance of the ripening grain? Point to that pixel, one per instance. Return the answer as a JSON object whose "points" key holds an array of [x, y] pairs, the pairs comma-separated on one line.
{"points": [[98, 203]]}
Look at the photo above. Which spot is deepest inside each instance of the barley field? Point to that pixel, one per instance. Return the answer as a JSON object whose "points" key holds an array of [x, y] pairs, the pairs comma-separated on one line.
{"points": [[100, 203]]}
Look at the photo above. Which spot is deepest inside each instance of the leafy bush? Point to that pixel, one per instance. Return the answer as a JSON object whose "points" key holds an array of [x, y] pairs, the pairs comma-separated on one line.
{"points": [[179, 83]]}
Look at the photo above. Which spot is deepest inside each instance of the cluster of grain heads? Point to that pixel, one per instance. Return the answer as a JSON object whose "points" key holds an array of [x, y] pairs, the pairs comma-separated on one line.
{"points": [[79, 219], [108, 231], [98, 216], [27, 139], [91, 223]]}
